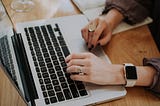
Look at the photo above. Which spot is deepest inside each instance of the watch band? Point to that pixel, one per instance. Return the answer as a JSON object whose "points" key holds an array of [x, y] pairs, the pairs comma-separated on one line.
{"points": [[129, 82]]}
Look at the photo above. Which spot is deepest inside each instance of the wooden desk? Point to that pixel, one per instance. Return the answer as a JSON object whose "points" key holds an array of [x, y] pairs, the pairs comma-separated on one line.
{"points": [[130, 46]]}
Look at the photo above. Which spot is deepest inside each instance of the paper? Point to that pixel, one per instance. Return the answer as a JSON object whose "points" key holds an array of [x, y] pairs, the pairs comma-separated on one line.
{"points": [[88, 4]]}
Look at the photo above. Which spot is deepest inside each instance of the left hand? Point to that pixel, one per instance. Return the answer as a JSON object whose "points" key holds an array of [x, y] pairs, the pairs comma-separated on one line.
{"points": [[95, 69]]}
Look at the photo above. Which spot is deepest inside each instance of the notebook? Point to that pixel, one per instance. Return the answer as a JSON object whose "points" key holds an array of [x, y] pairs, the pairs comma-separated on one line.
{"points": [[93, 8], [33, 55]]}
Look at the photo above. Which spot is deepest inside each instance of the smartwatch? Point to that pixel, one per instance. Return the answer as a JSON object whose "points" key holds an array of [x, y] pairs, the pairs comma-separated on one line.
{"points": [[130, 73]]}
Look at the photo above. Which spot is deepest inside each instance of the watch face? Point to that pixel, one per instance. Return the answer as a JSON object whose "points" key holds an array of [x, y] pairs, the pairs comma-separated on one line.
{"points": [[131, 72]]}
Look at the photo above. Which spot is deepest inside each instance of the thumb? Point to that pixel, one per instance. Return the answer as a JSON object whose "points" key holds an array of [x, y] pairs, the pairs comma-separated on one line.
{"points": [[105, 39]]}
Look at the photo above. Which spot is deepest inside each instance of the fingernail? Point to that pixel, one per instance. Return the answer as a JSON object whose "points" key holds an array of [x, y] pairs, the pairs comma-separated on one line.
{"points": [[92, 46], [90, 49]]}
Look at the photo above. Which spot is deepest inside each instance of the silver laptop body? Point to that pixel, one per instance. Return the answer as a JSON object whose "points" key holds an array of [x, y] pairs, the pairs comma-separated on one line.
{"points": [[70, 28]]}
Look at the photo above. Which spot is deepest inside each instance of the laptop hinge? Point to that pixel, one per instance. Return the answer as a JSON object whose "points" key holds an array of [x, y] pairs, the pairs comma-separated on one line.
{"points": [[25, 71]]}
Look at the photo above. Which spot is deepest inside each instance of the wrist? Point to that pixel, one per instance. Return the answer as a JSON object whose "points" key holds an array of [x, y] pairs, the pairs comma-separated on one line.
{"points": [[113, 18], [119, 75]]}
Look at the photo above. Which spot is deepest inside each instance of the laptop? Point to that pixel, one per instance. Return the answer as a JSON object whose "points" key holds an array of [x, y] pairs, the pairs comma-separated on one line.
{"points": [[34, 54]]}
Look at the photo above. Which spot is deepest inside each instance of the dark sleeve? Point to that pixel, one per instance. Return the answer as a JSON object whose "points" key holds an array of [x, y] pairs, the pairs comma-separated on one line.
{"points": [[155, 87], [134, 11]]}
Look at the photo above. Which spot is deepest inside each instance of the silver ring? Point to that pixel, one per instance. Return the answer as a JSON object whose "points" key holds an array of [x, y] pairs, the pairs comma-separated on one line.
{"points": [[80, 71], [92, 27]]}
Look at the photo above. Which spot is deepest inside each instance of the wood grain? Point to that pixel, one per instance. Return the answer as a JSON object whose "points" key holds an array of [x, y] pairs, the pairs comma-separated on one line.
{"points": [[9, 96]]}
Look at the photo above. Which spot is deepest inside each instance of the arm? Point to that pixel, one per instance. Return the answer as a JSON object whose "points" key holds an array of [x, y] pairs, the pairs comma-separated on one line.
{"points": [[131, 11], [134, 11], [99, 72], [155, 63]]}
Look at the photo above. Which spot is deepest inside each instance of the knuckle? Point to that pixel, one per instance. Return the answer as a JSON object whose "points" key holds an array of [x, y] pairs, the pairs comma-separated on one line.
{"points": [[73, 55], [74, 67], [88, 62], [74, 77], [83, 30]]}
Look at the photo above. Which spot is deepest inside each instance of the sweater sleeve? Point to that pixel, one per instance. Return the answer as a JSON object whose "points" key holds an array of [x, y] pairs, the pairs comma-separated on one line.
{"points": [[134, 11], [155, 63]]}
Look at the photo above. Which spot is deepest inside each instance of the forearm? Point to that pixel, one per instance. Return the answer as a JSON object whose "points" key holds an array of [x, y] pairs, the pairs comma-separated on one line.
{"points": [[134, 11], [145, 75]]}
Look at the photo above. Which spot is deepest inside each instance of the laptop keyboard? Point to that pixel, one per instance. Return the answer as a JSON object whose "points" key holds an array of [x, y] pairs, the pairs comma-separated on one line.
{"points": [[6, 57], [49, 49]]}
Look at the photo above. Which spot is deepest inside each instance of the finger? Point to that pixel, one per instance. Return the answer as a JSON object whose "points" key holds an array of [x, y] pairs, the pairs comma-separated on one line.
{"points": [[84, 32], [83, 78], [79, 62], [77, 69], [105, 39], [76, 56], [90, 39], [96, 35]]}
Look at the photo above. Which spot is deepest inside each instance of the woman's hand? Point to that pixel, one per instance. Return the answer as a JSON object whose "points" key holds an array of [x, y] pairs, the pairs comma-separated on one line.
{"points": [[104, 26], [100, 36], [94, 70]]}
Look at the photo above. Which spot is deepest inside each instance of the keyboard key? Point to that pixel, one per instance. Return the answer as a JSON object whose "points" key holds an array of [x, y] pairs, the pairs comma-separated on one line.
{"points": [[58, 68], [53, 76], [49, 65], [65, 51], [67, 94], [62, 79], [47, 101], [57, 49], [47, 81], [55, 62], [47, 60], [55, 82], [49, 87], [45, 75], [57, 88], [45, 94], [39, 75], [43, 88], [31, 30], [60, 96], [51, 93], [41, 64], [80, 85], [83, 93], [60, 73], [64, 85], [54, 57], [53, 99], [41, 81], [37, 69], [43, 69], [74, 91]]}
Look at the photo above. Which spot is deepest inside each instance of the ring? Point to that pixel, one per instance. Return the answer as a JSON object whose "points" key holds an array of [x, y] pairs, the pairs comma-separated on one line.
{"points": [[80, 71], [92, 27]]}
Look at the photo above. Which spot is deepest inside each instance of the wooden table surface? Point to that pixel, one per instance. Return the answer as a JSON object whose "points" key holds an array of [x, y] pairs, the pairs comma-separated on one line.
{"points": [[130, 46]]}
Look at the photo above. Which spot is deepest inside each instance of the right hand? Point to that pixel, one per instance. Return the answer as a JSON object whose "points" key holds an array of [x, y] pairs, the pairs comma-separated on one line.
{"points": [[100, 36], [105, 25]]}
